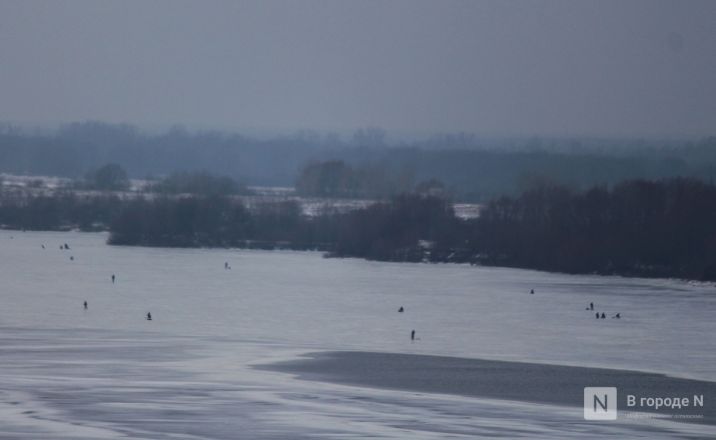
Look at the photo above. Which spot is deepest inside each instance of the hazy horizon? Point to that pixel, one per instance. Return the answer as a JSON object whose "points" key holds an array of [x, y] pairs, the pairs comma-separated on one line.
{"points": [[392, 137], [512, 69]]}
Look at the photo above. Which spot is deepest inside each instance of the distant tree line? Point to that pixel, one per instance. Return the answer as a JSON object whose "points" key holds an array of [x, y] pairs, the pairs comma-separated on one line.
{"points": [[664, 228], [648, 228], [212, 221], [60, 211], [335, 178], [470, 167], [388, 231], [200, 182], [661, 228], [410, 227], [110, 177]]}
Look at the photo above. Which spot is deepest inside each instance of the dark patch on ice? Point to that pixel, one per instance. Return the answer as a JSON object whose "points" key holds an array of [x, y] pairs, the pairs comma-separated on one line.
{"points": [[518, 381]]}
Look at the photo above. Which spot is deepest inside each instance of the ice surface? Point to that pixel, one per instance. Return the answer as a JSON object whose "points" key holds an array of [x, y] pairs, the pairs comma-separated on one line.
{"points": [[106, 372]]}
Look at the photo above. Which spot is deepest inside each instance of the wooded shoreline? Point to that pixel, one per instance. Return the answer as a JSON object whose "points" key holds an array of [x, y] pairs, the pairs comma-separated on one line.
{"points": [[637, 228]]}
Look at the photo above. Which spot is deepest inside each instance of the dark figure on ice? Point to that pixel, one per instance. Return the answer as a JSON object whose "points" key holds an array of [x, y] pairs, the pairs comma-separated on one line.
{"points": [[72, 257], [112, 278], [66, 246], [532, 291], [604, 316], [226, 265], [412, 335], [85, 304], [43, 246], [617, 316], [597, 315], [591, 306], [401, 309], [149, 316]]}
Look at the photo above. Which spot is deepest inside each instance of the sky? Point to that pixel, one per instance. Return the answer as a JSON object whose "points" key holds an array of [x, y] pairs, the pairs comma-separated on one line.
{"points": [[606, 68]]}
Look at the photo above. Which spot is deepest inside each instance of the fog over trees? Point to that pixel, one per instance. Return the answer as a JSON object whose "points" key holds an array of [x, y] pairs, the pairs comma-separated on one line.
{"points": [[366, 164], [110, 177], [200, 182]]}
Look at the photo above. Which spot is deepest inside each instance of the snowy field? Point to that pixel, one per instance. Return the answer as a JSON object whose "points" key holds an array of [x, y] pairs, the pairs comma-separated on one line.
{"points": [[310, 206], [106, 372]]}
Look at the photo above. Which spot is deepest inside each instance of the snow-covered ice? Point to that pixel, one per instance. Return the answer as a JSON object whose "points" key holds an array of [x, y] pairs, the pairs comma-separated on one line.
{"points": [[106, 372]]}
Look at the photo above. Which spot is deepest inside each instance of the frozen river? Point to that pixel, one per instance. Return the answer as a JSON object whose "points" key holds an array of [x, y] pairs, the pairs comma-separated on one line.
{"points": [[106, 372]]}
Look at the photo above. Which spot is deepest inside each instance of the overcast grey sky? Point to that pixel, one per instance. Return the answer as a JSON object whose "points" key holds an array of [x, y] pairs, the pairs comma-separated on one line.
{"points": [[645, 68]]}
